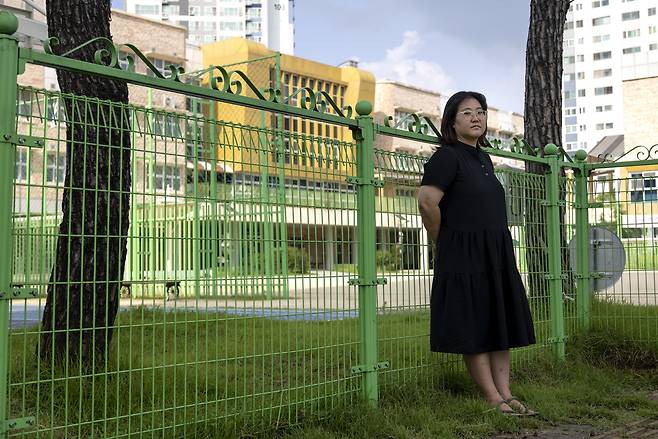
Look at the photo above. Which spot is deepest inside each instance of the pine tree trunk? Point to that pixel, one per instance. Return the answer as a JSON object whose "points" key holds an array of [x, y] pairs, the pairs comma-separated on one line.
{"points": [[543, 124], [83, 293]]}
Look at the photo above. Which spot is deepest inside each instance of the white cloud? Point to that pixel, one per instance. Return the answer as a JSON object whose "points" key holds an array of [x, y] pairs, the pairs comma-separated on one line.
{"points": [[402, 64]]}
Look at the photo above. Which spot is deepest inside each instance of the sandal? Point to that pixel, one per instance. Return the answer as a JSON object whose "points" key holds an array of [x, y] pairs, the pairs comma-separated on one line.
{"points": [[520, 407], [506, 412]]}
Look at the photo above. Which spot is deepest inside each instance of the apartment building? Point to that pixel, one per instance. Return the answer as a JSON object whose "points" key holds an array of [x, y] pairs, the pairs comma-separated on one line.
{"points": [[269, 22], [603, 40]]}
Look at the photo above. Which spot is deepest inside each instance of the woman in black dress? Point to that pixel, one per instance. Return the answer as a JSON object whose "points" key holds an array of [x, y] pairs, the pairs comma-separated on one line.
{"points": [[478, 306]]}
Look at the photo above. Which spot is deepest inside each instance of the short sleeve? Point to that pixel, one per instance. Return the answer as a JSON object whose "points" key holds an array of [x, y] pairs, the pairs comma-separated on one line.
{"points": [[440, 169]]}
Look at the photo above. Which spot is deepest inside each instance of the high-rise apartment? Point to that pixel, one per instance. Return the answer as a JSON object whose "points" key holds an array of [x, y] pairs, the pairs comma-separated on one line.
{"points": [[269, 22], [604, 40]]}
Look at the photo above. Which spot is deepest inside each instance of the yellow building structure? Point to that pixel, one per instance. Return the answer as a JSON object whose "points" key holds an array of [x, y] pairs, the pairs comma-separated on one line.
{"points": [[311, 152]]}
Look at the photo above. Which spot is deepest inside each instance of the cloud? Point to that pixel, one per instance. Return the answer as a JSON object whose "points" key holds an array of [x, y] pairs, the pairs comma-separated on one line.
{"points": [[402, 64]]}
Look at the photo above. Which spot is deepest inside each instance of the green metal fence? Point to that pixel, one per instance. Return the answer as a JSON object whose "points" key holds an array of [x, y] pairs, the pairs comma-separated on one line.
{"points": [[270, 275]]}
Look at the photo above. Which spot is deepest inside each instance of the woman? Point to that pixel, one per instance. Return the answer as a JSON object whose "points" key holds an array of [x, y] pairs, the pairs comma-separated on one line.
{"points": [[478, 306]]}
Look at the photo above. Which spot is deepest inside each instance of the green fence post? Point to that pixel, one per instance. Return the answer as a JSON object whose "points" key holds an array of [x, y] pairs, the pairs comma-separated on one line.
{"points": [[555, 277], [281, 187], [8, 78], [583, 284], [367, 267]]}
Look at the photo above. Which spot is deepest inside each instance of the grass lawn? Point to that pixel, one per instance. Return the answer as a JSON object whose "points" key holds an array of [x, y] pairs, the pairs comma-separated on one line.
{"points": [[183, 374]]}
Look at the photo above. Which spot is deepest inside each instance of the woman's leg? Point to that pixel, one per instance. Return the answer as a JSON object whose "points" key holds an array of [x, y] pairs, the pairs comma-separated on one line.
{"points": [[479, 366], [499, 363], [500, 370]]}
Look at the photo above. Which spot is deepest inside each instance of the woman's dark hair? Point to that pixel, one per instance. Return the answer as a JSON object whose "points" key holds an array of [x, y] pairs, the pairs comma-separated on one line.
{"points": [[448, 134]]}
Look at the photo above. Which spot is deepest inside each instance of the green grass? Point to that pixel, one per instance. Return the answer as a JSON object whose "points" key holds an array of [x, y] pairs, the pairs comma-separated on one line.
{"points": [[170, 372], [641, 257]]}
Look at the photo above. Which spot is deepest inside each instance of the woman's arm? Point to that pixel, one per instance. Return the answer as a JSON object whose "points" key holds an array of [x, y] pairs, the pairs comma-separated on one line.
{"points": [[428, 204]]}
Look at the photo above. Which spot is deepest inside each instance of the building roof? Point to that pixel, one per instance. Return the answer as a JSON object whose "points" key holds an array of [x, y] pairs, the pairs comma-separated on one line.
{"points": [[608, 147]]}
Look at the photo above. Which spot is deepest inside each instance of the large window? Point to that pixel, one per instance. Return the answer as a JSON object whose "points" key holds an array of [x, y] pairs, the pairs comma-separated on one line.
{"points": [[20, 173], [627, 16], [598, 91], [602, 73], [601, 20], [600, 38], [602, 55], [631, 33], [230, 26], [167, 177], [600, 3], [24, 103], [643, 187], [55, 167], [147, 9], [167, 125], [629, 50]]}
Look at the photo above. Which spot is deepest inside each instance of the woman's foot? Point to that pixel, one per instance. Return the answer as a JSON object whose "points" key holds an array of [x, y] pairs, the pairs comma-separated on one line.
{"points": [[502, 407], [519, 407]]}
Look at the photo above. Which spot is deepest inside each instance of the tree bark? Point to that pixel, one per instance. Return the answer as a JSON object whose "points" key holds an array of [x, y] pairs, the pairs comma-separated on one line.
{"points": [[83, 292], [543, 125]]}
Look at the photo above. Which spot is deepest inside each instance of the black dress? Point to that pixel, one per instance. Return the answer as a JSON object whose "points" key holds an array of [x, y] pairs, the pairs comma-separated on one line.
{"points": [[478, 301]]}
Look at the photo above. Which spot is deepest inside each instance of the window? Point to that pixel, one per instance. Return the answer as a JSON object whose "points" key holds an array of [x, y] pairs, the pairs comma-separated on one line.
{"points": [[602, 108], [629, 50], [20, 173], [609, 126], [627, 16], [569, 76], [581, 75], [55, 110], [195, 10], [651, 11], [230, 26], [580, 58], [601, 21], [570, 112], [652, 29], [603, 73], [582, 128], [600, 38], [631, 33], [598, 4], [167, 177], [404, 119], [24, 103], [653, 46], [147, 9], [579, 6], [571, 129], [598, 91], [210, 11], [581, 93], [55, 167], [230, 12], [643, 187], [166, 125], [604, 126], [602, 55], [569, 59], [579, 23], [568, 25]]}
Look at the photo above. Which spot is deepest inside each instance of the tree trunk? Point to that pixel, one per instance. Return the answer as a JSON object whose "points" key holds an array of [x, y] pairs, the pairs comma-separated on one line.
{"points": [[83, 292], [543, 124]]}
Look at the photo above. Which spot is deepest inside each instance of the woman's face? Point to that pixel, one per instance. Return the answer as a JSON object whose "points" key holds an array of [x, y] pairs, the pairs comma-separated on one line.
{"points": [[470, 121]]}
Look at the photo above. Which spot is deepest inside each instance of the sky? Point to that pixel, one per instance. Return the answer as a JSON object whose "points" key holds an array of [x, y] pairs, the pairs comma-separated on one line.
{"points": [[441, 45]]}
